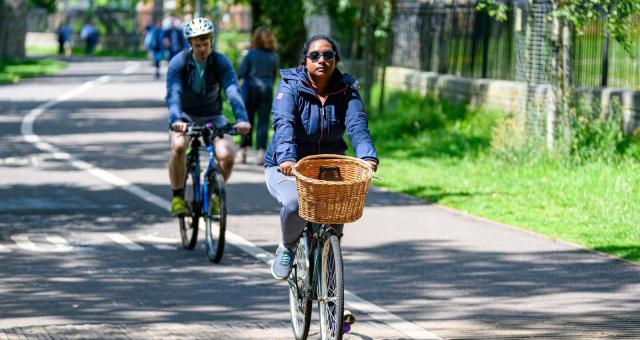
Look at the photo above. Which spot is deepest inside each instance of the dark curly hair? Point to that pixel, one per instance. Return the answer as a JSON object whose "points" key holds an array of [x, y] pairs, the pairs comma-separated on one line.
{"points": [[305, 48]]}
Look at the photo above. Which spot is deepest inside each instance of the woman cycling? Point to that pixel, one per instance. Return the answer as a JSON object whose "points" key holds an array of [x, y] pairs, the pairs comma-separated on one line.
{"points": [[314, 105]]}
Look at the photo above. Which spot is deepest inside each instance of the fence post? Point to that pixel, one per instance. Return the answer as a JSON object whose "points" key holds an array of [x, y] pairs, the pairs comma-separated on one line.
{"points": [[605, 58]]}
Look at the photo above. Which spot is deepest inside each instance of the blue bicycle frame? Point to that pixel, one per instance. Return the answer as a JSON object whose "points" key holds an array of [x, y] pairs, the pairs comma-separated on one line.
{"points": [[204, 189]]}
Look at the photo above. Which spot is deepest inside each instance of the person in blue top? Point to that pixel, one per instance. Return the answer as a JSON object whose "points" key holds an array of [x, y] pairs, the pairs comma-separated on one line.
{"points": [[154, 42], [65, 35], [174, 39], [91, 36], [258, 71], [195, 80], [314, 105]]}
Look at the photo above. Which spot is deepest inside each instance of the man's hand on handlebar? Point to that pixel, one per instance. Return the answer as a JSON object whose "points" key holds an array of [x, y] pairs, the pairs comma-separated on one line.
{"points": [[179, 127], [243, 127], [286, 168]]}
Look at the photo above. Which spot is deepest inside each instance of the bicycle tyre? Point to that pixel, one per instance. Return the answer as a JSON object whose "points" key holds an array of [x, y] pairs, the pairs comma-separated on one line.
{"points": [[300, 303], [216, 223], [189, 223], [331, 289]]}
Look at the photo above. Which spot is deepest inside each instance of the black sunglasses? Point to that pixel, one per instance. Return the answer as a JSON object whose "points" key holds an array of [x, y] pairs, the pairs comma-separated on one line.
{"points": [[327, 55]]}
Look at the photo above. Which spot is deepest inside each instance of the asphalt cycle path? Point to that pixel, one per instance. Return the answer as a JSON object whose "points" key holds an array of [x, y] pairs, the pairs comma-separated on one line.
{"points": [[87, 246]]}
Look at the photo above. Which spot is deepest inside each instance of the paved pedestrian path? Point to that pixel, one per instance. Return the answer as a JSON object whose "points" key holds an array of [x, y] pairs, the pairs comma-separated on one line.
{"points": [[173, 331]]}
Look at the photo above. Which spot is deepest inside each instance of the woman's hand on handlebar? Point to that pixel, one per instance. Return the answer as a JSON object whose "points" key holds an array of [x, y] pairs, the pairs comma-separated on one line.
{"points": [[286, 168], [179, 126], [243, 127], [373, 165]]}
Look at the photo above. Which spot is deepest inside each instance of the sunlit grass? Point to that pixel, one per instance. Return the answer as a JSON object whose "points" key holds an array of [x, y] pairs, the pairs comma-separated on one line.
{"points": [[442, 153], [13, 71]]}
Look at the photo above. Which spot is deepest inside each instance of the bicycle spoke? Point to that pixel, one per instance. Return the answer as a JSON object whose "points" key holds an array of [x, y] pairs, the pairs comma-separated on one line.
{"points": [[300, 304], [331, 300]]}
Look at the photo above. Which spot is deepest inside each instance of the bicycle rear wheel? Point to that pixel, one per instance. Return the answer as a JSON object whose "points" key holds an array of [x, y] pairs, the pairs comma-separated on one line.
{"points": [[216, 219], [189, 223], [331, 289], [299, 301]]}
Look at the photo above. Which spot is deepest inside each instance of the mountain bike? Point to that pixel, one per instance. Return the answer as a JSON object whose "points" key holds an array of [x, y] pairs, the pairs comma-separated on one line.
{"points": [[331, 190], [206, 196]]}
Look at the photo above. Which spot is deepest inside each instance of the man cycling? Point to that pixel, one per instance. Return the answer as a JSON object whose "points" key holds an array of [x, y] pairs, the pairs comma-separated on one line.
{"points": [[195, 80]]}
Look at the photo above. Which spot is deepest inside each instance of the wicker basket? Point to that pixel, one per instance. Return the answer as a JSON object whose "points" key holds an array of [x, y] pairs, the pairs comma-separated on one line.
{"points": [[332, 188]]}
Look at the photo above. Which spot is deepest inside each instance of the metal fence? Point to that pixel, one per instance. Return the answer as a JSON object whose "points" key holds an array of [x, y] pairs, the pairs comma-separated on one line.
{"points": [[601, 61], [452, 37]]}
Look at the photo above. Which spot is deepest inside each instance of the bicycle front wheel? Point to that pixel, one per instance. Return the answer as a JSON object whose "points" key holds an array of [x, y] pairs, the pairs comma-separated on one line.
{"points": [[331, 290], [299, 301], [216, 219], [189, 223]]}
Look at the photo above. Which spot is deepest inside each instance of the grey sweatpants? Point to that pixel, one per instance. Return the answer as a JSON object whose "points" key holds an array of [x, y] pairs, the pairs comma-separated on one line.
{"points": [[283, 188]]}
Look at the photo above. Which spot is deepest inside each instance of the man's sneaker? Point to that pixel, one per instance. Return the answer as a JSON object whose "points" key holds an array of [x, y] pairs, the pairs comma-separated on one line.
{"points": [[281, 266], [178, 206]]}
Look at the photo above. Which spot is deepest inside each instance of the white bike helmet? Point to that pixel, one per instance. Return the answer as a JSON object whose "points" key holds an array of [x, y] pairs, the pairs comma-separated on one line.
{"points": [[196, 27]]}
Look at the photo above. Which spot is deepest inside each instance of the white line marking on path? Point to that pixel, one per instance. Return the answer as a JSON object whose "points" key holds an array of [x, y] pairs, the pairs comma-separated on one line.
{"points": [[130, 69], [410, 329], [4, 249], [124, 241], [60, 245], [162, 243]]}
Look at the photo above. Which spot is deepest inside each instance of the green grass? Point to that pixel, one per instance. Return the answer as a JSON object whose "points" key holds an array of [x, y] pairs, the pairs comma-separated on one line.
{"points": [[443, 154], [41, 51], [12, 71], [79, 51], [230, 44]]}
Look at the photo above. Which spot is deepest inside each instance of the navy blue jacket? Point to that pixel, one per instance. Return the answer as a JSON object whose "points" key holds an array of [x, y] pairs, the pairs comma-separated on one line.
{"points": [[303, 126], [258, 69], [219, 74]]}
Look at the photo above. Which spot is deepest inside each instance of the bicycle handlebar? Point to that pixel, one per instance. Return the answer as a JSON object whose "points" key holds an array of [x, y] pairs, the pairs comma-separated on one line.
{"points": [[195, 129]]}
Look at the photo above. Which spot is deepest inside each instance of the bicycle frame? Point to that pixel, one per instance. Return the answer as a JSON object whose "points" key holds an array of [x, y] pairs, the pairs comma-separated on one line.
{"points": [[193, 165]]}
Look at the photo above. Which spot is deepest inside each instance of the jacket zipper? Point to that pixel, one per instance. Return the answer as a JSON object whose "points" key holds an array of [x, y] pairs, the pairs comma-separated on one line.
{"points": [[322, 116]]}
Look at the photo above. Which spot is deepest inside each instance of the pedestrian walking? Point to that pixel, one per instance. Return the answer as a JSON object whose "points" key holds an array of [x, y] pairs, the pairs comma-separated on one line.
{"points": [[65, 35], [258, 72], [174, 40], [154, 43], [91, 36]]}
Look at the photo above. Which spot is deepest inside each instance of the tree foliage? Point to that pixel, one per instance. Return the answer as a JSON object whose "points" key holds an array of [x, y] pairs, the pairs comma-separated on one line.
{"points": [[49, 5], [618, 16], [285, 19]]}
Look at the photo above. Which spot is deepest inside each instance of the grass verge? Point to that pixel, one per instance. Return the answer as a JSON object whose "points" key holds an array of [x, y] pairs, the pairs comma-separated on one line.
{"points": [[12, 71], [443, 153]]}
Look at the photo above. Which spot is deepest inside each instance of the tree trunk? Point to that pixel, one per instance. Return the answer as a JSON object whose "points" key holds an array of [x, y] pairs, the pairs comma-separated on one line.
{"points": [[387, 57], [567, 84], [256, 13], [158, 10], [368, 66], [563, 86], [13, 29]]}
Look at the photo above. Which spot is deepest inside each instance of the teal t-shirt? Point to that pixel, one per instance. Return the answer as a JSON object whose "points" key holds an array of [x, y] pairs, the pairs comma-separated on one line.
{"points": [[198, 78]]}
